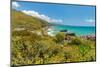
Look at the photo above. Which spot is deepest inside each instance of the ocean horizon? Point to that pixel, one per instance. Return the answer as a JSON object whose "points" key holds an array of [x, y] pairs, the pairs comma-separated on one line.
{"points": [[78, 30]]}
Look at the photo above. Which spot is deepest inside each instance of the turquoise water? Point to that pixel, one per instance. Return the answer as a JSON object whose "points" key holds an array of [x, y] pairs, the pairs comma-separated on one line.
{"points": [[78, 30]]}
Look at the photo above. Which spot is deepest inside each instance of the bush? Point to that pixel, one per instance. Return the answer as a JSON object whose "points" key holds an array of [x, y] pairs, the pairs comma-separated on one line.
{"points": [[76, 41], [60, 37]]}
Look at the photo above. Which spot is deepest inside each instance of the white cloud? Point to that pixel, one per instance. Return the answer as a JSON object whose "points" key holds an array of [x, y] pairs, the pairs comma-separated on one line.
{"points": [[15, 5], [90, 20], [41, 16]]}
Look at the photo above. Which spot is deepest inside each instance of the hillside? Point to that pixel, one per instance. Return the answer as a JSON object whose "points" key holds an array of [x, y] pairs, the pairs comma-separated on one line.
{"points": [[21, 20], [31, 45]]}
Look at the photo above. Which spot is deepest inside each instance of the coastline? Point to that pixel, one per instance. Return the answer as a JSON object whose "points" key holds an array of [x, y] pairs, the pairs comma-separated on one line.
{"points": [[78, 31]]}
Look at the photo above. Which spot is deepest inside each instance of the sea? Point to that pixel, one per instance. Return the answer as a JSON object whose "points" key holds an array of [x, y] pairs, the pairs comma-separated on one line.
{"points": [[78, 30]]}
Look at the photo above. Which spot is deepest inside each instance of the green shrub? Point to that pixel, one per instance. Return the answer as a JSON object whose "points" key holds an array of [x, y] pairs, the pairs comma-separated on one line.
{"points": [[84, 49], [60, 37], [76, 41]]}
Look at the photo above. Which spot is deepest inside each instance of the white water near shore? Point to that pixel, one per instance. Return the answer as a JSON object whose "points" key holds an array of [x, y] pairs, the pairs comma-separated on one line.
{"points": [[78, 30]]}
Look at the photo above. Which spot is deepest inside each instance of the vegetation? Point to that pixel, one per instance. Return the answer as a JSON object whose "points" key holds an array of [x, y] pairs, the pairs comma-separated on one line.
{"points": [[21, 20], [30, 47]]}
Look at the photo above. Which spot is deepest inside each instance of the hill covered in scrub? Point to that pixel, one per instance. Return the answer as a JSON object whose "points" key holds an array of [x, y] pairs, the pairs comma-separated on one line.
{"points": [[29, 47], [21, 20]]}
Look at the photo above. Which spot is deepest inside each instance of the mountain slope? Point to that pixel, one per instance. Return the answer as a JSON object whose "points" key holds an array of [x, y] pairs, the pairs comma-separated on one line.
{"points": [[21, 20]]}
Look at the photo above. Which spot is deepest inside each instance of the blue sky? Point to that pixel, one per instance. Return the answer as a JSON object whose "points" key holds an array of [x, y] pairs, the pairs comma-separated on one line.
{"points": [[74, 15]]}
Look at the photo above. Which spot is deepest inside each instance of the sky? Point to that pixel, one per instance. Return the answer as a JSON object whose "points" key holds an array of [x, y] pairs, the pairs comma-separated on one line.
{"points": [[67, 14]]}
